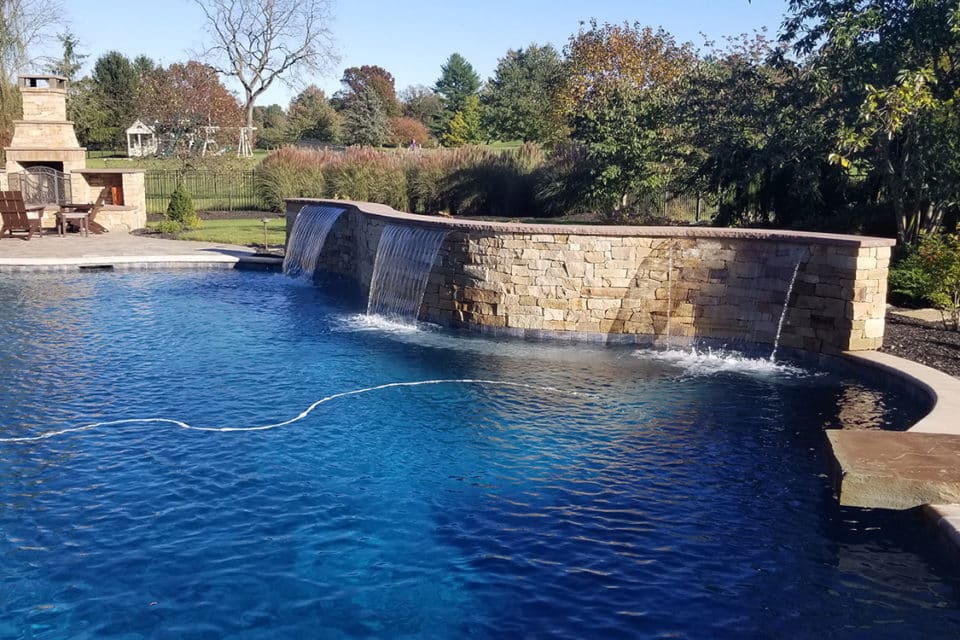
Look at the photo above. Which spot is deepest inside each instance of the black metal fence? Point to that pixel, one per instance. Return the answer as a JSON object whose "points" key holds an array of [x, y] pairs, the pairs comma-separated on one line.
{"points": [[211, 190]]}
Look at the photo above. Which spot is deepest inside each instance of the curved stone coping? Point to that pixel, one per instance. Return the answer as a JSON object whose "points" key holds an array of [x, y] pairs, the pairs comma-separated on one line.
{"points": [[457, 224], [943, 390]]}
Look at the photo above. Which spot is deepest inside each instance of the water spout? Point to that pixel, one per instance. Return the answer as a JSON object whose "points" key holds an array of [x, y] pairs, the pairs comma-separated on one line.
{"points": [[786, 305], [405, 256], [307, 238]]}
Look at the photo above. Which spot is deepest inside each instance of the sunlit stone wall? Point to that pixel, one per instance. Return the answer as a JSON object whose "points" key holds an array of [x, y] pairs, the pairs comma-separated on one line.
{"points": [[640, 284]]}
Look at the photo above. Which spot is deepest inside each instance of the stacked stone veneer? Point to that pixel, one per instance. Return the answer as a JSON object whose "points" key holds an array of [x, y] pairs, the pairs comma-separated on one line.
{"points": [[634, 283]]}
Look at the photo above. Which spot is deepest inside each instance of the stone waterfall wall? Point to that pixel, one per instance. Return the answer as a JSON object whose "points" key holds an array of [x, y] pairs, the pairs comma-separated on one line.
{"points": [[635, 283]]}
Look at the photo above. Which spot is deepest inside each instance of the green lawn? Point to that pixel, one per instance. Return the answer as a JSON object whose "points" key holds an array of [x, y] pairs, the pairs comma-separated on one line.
{"points": [[245, 232]]}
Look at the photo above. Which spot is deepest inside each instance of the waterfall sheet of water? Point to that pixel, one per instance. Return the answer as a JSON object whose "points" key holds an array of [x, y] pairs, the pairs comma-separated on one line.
{"points": [[786, 305], [307, 238], [405, 256]]}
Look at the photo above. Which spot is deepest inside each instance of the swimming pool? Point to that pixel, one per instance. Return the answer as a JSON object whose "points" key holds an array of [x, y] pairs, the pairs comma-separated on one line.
{"points": [[518, 489]]}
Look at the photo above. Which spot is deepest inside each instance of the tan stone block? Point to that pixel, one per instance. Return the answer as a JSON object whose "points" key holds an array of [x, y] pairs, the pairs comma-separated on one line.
{"points": [[480, 295], [873, 328], [593, 257], [494, 321], [605, 272], [603, 304], [612, 326], [553, 314], [859, 343], [658, 276]]}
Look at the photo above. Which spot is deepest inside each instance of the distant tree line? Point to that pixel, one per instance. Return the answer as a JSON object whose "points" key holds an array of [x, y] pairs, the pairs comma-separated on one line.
{"points": [[848, 120]]}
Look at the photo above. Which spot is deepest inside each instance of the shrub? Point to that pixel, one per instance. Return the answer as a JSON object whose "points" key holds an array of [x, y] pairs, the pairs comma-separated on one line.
{"points": [[465, 181], [561, 183], [292, 172], [181, 209], [168, 227], [931, 272], [403, 131], [363, 173]]}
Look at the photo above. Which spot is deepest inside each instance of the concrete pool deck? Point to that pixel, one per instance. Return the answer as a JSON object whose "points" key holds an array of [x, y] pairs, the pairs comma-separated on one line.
{"points": [[122, 250]]}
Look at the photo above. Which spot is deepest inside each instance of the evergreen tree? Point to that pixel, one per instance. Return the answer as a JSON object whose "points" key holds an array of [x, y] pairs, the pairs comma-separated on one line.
{"points": [[457, 81], [70, 63], [515, 99], [116, 84], [365, 120]]}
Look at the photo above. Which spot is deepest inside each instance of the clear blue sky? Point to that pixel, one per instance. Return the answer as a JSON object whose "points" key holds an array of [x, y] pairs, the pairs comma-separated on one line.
{"points": [[412, 38]]}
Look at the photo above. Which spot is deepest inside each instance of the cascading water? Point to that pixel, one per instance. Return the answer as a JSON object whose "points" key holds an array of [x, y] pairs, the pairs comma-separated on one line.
{"points": [[786, 305], [307, 238], [669, 288], [405, 256]]}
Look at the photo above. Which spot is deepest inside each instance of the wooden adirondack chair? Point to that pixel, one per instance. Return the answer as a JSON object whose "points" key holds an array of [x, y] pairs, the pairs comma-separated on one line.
{"points": [[16, 215], [82, 215]]}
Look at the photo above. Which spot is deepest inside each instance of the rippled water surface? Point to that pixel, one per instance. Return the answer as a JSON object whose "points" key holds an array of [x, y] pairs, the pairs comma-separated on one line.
{"points": [[523, 490]]}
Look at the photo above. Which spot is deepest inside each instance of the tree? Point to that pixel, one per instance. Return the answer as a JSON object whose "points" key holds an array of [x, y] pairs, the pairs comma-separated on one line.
{"points": [[406, 131], [524, 80], [357, 79], [89, 118], [116, 84], [183, 98], [271, 124], [70, 63], [616, 95], [24, 24], [623, 131], [144, 65], [750, 133], [421, 103], [889, 72], [605, 58], [365, 120], [464, 127], [260, 41], [457, 81], [312, 116]]}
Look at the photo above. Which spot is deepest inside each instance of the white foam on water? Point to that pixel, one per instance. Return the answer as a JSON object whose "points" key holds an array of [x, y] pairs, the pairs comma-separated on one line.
{"points": [[303, 414], [381, 324], [425, 334], [708, 362]]}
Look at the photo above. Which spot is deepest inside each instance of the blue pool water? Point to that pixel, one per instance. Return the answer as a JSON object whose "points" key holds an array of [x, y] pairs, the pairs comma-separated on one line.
{"points": [[523, 490]]}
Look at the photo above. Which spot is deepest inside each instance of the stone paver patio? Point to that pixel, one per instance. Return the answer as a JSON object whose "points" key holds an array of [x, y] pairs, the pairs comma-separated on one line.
{"points": [[119, 250]]}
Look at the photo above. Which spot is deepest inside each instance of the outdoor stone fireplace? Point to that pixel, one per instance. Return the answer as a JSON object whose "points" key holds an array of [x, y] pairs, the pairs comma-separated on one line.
{"points": [[47, 163]]}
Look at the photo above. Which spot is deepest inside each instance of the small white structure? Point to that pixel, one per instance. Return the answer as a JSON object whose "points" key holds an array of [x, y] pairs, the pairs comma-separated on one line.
{"points": [[141, 140], [243, 146]]}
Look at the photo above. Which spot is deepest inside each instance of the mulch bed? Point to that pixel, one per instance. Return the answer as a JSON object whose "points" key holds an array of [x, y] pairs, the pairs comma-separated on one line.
{"points": [[924, 342]]}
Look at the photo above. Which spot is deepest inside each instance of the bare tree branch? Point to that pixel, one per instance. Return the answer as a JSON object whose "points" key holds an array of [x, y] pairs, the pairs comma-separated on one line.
{"points": [[260, 41]]}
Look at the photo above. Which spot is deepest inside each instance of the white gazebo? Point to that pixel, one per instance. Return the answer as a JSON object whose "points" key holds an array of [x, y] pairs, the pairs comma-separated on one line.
{"points": [[141, 140]]}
